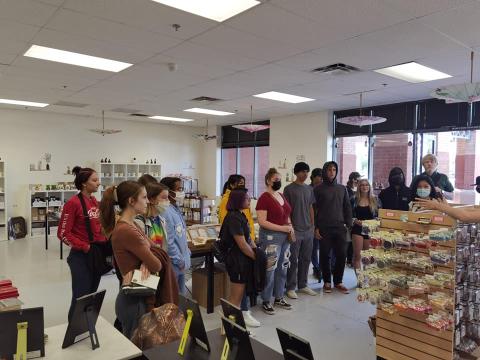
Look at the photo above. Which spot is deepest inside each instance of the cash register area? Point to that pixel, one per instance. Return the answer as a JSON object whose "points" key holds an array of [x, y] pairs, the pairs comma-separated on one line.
{"points": [[334, 324]]}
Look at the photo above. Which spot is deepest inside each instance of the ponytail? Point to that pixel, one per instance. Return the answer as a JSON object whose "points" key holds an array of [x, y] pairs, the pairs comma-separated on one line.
{"points": [[116, 195]]}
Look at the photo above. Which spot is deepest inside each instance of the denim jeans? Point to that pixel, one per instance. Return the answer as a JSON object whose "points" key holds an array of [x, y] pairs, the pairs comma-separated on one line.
{"points": [[333, 241], [244, 304], [180, 275], [84, 282], [315, 254], [129, 309], [277, 248]]}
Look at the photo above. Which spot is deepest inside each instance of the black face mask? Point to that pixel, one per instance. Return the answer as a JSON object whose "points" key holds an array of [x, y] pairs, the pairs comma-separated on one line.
{"points": [[276, 185], [397, 179]]}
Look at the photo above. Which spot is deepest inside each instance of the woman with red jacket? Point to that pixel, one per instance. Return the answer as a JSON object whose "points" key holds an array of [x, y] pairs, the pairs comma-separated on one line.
{"points": [[73, 232]]}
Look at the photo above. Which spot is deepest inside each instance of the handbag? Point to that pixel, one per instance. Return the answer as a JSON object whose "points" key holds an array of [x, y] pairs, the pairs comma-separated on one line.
{"points": [[100, 255], [291, 237]]}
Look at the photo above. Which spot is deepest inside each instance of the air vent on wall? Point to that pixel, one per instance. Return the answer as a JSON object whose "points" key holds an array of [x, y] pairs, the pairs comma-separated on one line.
{"points": [[70, 104], [126, 110], [205, 99], [336, 69]]}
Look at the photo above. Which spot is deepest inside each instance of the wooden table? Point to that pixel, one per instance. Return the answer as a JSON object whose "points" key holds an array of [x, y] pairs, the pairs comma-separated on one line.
{"points": [[207, 251]]}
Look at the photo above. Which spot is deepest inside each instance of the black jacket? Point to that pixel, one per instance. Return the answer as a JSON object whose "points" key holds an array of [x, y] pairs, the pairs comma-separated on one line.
{"points": [[333, 202], [393, 198]]}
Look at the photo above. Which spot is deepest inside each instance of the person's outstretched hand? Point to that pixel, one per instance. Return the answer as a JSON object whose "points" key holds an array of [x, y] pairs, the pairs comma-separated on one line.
{"points": [[433, 204]]}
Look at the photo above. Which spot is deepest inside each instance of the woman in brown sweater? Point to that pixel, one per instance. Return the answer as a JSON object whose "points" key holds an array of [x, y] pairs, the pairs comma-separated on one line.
{"points": [[132, 249]]}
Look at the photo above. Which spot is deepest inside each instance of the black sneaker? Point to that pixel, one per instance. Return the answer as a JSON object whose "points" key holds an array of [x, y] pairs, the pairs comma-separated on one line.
{"points": [[267, 308], [283, 304]]}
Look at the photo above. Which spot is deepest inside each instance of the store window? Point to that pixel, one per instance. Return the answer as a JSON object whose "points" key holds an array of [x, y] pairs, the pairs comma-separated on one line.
{"points": [[251, 162], [352, 155], [229, 163], [394, 150]]}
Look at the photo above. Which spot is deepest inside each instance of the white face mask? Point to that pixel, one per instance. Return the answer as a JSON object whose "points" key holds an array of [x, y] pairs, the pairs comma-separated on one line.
{"points": [[162, 205], [179, 195]]}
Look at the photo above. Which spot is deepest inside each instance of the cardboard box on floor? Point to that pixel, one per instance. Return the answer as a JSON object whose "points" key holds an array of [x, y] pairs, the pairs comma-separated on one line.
{"points": [[221, 285]]}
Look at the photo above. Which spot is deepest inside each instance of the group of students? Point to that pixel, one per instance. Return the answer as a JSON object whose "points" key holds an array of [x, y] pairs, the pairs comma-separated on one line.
{"points": [[305, 223], [311, 223], [149, 233]]}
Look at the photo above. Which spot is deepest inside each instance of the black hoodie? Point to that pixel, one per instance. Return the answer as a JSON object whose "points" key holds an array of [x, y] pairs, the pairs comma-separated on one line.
{"points": [[333, 202], [392, 198]]}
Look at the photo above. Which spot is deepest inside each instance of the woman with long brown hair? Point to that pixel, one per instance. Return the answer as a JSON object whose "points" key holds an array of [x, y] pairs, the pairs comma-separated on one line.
{"points": [[365, 207], [131, 247]]}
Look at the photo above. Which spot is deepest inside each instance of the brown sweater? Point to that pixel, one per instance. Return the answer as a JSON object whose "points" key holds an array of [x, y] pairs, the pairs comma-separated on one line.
{"points": [[132, 248]]}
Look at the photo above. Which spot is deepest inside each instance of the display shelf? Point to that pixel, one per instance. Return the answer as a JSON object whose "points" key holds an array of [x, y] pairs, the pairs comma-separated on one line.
{"points": [[3, 202], [41, 216], [197, 209], [405, 333], [114, 173]]}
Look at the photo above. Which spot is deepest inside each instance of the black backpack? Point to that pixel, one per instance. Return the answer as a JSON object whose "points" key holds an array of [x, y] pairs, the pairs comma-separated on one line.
{"points": [[221, 248]]}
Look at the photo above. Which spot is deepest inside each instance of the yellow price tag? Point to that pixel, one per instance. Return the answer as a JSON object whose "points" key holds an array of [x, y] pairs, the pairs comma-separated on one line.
{"points": [[183, 341], [22, 341]]}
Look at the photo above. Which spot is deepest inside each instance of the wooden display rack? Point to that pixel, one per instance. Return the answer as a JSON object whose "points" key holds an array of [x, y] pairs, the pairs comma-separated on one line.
{"points": [[405, 335]]}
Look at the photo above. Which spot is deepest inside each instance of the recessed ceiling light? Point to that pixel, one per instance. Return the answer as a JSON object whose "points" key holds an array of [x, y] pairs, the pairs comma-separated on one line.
{"points": [[72, 58], [278, 96], [217, 10], [413, 72], [22, 103], [158, 117], [209, 112]]}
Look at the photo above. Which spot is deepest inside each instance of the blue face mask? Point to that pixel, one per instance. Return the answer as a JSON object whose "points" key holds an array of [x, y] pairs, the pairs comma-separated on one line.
{"points": [[423, 193]]}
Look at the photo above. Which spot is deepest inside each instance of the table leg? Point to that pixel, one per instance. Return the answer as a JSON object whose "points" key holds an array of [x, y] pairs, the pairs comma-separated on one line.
{"points": [[46, 231], [210, 279], [61, 250]]}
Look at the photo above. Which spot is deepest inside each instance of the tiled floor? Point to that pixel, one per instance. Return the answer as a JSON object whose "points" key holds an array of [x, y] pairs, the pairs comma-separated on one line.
{"points": [[335, 324]]}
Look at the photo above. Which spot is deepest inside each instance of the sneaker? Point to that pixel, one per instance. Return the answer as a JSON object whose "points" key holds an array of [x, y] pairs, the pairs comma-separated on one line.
{"points": [[250, 321], [327, 288], [342, 288], [268, 309], [283, 304], [308, 291], [292, 294]]}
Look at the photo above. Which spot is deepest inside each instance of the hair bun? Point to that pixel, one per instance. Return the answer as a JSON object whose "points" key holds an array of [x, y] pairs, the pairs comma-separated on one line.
{"points": [[76, 170]]}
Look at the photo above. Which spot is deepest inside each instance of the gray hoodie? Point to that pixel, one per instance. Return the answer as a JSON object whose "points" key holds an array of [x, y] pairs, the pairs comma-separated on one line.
{"points": [[333, 203]]}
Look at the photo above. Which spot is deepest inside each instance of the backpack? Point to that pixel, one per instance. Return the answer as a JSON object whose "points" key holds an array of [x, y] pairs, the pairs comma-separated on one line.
{"points": [[221, 248]]}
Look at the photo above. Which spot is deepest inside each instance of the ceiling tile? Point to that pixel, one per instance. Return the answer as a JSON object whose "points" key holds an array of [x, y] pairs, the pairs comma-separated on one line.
{"points": [[238, 42], [144, 14], [416, 8], [26, 11]]}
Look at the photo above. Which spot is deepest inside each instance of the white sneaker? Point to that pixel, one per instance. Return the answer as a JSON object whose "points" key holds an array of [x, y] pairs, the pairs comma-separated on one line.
{"points": [[308, 291], [292, 294], [250, 321]]}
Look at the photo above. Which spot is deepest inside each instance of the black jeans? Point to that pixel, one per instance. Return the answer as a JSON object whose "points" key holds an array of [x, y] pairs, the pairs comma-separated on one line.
{"points": [[83, 280], [333, 238]]}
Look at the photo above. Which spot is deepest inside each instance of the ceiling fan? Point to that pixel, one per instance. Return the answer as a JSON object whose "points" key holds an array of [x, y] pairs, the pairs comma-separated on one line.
{"points": [[104, 131], [205, 135]]}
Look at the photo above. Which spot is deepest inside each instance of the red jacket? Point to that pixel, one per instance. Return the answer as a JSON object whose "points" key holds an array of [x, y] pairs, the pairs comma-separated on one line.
{"points": [[72, 229]]}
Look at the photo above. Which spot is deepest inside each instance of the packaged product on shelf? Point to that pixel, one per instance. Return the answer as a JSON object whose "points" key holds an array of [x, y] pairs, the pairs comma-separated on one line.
{"points": [[441, 257], [443, 234], [440, 320], [369, 226]]}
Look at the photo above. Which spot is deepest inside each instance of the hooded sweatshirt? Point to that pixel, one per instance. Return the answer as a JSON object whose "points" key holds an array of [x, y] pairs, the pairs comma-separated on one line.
{"points": [[393, 198], [333, 202]]}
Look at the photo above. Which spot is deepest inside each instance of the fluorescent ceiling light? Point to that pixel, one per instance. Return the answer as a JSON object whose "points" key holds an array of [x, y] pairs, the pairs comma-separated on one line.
{"points": [[413, 72], [209, 112], [278, 96], [22, 103], [217, 10], [68, 57], [158, 117]]}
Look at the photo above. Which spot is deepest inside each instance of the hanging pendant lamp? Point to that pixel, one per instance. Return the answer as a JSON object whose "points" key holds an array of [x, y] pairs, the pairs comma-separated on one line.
{"points": [[251, 128], [104, 131], [361, 120], [467, 92]]}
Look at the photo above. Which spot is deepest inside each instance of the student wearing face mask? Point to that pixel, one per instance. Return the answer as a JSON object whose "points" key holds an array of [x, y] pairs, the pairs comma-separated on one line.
{"points": [[152, 221], [176, 230], [422, 187], [273, 213], [397, 195]]}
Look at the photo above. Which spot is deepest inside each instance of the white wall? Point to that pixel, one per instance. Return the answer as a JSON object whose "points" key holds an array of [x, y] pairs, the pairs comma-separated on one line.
{"points": [[26, 135], [305, 134], [210, 164]]}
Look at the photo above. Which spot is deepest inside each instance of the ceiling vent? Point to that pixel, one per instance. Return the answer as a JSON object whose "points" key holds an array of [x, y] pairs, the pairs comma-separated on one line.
{"points": [[206, 99], [139, 115], [336, 69], [126, 110], [70, 104]]}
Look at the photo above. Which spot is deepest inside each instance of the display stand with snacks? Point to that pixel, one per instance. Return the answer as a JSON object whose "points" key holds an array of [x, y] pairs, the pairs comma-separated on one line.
{"points": [[409, 273]]}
